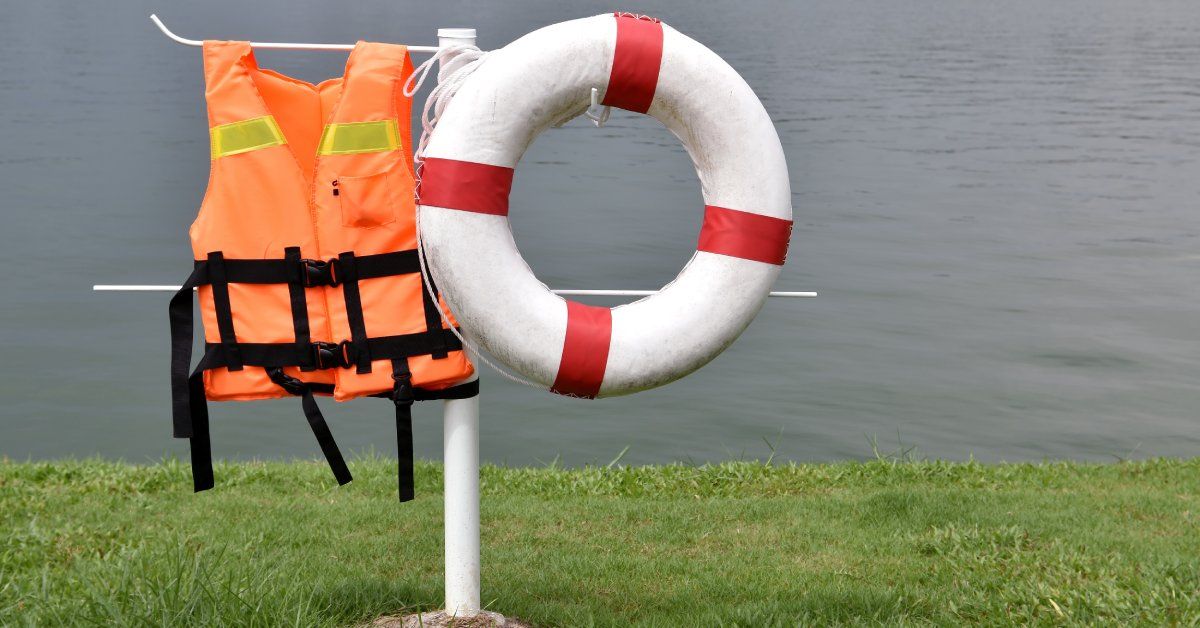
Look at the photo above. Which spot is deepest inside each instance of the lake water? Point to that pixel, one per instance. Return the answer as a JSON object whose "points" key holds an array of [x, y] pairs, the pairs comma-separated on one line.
{"points": [[997, 201]]}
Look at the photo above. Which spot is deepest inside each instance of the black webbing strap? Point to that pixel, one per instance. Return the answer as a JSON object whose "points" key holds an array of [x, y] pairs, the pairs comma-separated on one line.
{"points": [[316, 421], [202, 469], [180, 313], [325, 355], [224, 311], [420, 343], [264, 271], [461, 391], [402, 396], [256, 354], [354, 311], [387, 264], [298, 300], [433, 314], [189, 409]]}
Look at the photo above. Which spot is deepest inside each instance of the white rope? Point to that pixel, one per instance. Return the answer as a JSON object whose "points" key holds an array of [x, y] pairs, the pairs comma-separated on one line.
{"points": [[465, 60]]}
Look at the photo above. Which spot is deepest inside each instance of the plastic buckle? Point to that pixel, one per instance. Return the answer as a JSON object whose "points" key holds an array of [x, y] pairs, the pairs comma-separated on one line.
{"points": [[290, 384], [320, 273], [328, 355], [402, 391]]}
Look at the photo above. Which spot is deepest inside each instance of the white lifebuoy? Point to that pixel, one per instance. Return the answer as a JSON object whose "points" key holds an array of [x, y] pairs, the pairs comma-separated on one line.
{"points": [[542, 79]]}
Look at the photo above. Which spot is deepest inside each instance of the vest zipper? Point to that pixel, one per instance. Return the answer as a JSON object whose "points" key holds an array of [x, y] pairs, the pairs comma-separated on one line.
{"points": [[314, 219]]}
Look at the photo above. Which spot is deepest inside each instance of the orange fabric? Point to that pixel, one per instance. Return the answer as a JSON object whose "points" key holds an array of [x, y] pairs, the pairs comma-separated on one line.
{"points": [[261, 201]]}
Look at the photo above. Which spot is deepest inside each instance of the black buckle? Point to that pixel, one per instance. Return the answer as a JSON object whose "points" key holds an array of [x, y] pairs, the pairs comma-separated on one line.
{"points": [[402, 391], [320, 273], [328, 355], [290, 384]]}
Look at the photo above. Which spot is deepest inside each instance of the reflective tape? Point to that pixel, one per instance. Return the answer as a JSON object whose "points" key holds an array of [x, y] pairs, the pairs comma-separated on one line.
{"points": [[245, 136], [637, 58], [585, 351], [465, 186], [745, 235], [348, 138]]}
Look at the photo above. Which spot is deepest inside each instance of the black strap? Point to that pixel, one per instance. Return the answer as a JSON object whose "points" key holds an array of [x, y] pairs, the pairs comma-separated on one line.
{"points": [[290, 354], [202, 469], [420, 343], [433, 315], [189, 409], [325, 438], [461, 391], [298, 298], [354, 311], [180, 314], [258, 354], [402, 397], [316, 421], [264, 271], [224, 311], [387, 264]]}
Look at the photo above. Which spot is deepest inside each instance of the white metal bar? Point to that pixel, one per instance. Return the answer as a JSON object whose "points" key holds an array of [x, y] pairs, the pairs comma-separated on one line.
{"points": [[135, 288], [646, 293], [275, 45], [565, 293]]}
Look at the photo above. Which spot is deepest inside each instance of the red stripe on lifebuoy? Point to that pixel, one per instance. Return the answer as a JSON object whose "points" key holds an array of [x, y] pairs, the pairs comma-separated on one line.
{"points": [[585, 351], [465, 185], [636, 61], [742, 234]]}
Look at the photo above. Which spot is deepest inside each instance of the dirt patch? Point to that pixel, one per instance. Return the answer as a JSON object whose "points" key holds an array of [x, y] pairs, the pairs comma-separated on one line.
{"points": [[440, 619]]}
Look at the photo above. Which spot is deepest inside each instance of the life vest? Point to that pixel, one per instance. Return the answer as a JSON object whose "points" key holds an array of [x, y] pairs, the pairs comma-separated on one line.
{"points": [[305, 253]]}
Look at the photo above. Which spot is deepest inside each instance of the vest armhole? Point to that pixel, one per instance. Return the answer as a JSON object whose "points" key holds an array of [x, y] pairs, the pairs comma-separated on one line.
{"points": [[201, 211], [403, 106]]}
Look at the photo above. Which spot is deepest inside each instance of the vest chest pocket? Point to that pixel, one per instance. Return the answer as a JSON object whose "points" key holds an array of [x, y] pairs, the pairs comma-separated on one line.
{"points": [[369, 201]]}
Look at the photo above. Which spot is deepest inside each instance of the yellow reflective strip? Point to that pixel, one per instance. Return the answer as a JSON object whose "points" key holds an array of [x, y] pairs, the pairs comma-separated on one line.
{"points": [[245, 136], [359, 137]]}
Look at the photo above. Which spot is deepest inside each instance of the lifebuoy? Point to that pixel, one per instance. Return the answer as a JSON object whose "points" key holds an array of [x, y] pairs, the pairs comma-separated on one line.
{"points": [[542, 79]]}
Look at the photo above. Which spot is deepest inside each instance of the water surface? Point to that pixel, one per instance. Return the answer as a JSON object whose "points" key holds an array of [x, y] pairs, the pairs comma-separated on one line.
{"points": [[997, 202]]}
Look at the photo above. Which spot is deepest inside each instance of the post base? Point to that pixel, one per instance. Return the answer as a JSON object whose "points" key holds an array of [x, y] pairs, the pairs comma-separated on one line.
{"points": [[442, 619]]}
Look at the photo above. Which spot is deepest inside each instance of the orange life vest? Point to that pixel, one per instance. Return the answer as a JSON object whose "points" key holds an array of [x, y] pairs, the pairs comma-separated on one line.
{"points": [[305, 252]]}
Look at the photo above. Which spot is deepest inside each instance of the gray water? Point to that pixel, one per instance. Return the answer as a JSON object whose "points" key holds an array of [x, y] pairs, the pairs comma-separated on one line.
{"points": [[996, 200]]}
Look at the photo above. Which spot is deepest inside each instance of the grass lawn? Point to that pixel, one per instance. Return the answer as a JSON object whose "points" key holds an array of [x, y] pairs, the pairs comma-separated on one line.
{"points": [[741, 543]]}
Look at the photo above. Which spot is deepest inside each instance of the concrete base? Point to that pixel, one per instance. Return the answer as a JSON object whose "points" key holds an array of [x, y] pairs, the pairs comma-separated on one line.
{"points": [[439, 619]]}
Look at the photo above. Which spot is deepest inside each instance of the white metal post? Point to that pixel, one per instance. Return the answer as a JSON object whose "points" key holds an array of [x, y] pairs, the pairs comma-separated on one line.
{"points": [[461, 456], [453, 37]]}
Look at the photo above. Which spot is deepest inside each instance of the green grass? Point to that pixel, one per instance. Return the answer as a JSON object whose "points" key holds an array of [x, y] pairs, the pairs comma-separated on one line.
{"points": [[741, 543]]}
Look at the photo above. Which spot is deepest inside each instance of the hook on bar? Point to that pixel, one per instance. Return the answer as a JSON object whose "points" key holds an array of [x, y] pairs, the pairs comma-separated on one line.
{"points": [[176, 38]]}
